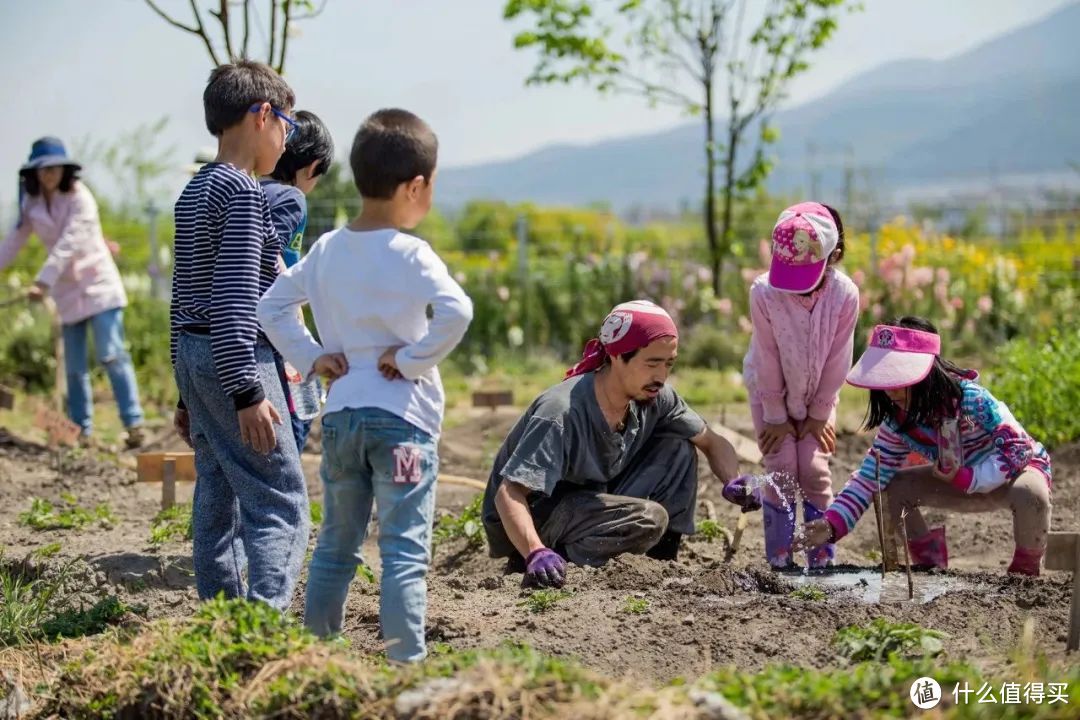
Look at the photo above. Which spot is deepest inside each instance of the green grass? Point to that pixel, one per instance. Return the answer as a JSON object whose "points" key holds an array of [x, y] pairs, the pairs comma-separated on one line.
{"points": [[172, 525], [48, 551], [316, 512], [882, 639], [364, 571], [808, 592], [635, 606], [77, 623], [43, 515], [540, 601]]}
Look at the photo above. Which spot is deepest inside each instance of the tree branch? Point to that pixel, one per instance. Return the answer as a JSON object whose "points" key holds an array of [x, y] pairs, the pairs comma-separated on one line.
{"points": [[223, 18], [286, 6], [273, 31], [175, 23], [247, 27]]}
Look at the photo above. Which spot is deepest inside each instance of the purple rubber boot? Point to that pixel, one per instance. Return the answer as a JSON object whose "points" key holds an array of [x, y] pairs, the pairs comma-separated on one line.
{"points": [[779, 532], [819, 557]]}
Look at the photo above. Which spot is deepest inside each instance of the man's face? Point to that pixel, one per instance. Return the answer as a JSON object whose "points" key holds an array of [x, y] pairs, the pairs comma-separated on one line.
{"points": [[644, 376]]}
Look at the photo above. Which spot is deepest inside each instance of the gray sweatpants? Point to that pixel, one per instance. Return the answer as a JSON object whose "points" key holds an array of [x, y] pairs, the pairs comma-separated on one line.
{"points": [[655, 494], [249, 509]]}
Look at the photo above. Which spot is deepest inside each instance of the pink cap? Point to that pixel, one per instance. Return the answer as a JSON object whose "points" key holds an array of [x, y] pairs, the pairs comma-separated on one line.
{"points": [[804, 237], [897, 357]]}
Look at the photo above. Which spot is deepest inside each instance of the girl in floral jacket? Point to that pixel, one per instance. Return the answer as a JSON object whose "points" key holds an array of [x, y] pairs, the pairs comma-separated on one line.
{"points": [[983, 460]]}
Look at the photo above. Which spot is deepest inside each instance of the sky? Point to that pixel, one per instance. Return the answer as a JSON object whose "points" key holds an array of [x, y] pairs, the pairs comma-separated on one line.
{"points": [[80, 69]]}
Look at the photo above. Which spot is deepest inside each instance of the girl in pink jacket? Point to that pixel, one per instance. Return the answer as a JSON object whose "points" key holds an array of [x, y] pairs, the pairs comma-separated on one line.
{"points": [[81, 277], [803, 312]]}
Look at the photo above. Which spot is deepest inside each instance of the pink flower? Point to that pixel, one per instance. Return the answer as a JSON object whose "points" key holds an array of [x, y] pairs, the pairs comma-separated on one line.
{"points": [[943, 275], [941, 293], [723, 306], [985, 304], [877, 311], [460, 277], [689, 282], [921, 276], [864, 301], [704, 274], [958, 303], [858, 277], [908, 253], [745, 325]]}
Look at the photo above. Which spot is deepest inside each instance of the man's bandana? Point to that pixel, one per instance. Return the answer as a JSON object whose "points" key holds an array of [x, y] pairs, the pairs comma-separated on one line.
{"points": [[630, 326]]}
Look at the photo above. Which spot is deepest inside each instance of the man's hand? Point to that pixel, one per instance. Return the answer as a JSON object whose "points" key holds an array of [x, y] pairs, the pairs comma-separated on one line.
{"points": [[257, 427], [36, 293], [331, 365], [388, 364], [544, 568], [822, 431], [815, 534], [182, 425], [772, 436]]}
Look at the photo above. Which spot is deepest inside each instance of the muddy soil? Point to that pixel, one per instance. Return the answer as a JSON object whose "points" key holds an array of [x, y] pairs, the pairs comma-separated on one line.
{"points": [[701, 611]]}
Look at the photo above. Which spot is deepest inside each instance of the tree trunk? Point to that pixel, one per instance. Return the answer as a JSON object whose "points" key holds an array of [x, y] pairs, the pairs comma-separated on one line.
{"points": [[729, 198], [710, 191]]}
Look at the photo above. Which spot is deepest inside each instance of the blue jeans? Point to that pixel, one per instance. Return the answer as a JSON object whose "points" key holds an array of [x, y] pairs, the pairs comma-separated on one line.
{"points": [[370, 455], [111, 352], [249, 509]]}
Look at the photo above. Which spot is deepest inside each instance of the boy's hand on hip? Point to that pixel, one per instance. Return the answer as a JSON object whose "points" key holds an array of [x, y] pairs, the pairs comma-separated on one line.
{"points": [[331, 365], [182, 425], [388, 364], [257, 426], [822, 431], [772, 436]]}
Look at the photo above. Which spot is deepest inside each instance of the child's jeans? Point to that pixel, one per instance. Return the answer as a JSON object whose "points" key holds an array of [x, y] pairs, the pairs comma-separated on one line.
{"points": [[108, 328], [247, 506], [371, 455]]}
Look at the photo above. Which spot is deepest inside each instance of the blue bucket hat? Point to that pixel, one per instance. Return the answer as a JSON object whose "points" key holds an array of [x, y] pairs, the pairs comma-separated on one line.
{"points": [[47, 152]]}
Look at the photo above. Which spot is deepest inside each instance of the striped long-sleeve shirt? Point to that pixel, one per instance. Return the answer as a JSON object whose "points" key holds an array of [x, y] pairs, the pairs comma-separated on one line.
{"points": [[226, 253], [996, 449]]}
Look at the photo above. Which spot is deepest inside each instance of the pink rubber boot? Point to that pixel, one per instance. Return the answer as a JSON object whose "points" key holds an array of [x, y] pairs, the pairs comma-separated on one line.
{"points": [[930, 549], [1026, 561]]}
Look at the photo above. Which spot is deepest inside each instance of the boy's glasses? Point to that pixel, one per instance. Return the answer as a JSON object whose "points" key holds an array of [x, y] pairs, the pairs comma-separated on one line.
{"points": [[290, 124]]}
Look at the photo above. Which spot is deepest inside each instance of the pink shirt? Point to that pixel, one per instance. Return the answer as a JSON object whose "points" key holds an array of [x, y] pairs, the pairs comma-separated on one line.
{"points": [[800, 349], [80, 272]]}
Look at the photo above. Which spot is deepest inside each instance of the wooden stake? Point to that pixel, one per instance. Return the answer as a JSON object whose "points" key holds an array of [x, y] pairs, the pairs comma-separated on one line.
{"points": [[877, 508], [1063, 553], [168, 484], [907, 555], [740, 527]]}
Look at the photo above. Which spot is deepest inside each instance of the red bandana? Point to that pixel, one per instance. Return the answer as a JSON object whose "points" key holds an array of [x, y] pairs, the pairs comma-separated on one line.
{"points": [[630, 326]]}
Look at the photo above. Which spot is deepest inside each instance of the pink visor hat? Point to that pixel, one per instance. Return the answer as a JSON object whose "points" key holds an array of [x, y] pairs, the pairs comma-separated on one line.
{"points": [[896, 358], [802, 241]]}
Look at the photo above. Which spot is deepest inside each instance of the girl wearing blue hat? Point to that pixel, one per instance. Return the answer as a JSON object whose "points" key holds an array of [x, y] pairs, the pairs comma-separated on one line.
{"points": [[81, 277]]}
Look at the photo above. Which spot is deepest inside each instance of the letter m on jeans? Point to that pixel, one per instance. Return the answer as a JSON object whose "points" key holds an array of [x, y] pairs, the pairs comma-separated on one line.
{"points": [[406, 464]]}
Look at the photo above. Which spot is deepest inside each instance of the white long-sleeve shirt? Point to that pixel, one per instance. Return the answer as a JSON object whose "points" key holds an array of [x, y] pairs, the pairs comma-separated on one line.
{"points": [[369, 291]]}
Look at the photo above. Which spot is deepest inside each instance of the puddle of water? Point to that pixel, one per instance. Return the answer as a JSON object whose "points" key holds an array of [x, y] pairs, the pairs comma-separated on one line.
{"points": [[869, 587]]}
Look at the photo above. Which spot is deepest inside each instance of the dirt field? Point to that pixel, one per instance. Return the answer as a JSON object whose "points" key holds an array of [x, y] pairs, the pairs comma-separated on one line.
{"points": [[702, 612]]}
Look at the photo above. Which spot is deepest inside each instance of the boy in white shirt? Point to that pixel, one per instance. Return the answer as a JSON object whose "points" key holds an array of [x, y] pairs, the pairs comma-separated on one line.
{"points": [[369, 286]]}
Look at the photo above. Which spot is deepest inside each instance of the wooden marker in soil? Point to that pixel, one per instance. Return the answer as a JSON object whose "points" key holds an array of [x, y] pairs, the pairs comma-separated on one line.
{"points": [[1063, 553], [168, 469], [886, 532]]}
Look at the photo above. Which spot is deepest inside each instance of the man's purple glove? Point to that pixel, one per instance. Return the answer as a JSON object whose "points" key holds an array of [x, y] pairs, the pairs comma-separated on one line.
{"points": [[544, 568], [738, 491]]}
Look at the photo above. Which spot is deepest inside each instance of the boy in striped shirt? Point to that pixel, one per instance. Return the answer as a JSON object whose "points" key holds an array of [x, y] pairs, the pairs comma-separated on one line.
{"points": [[250, 503]]}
